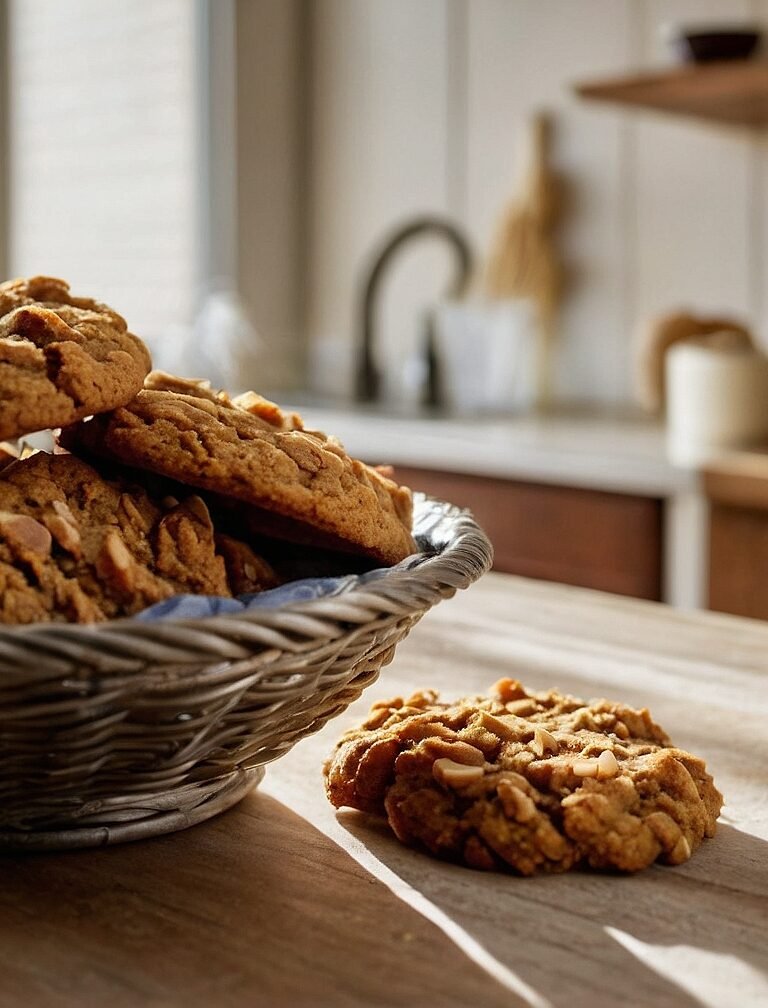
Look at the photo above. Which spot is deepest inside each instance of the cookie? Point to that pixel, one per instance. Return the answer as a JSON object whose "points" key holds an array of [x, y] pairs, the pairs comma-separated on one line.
{"points": [[295, 482], [62, 357], [533, 782], [247, 571], [8, 453], [201, 388], [77, 547]]}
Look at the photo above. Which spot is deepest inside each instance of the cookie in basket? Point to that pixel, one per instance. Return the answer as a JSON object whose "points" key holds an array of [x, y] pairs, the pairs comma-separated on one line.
{"points": [[80, 548], [297, 484], [62, 357], [201, 388], [535, 782]]}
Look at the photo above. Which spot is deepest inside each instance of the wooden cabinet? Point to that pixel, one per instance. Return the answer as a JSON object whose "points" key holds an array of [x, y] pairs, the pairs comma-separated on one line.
{"points": [[737, 488], [738, 560], [590, 538]]}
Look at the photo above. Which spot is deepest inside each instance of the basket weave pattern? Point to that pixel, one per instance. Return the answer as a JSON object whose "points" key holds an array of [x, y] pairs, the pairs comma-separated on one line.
{"points": [[128, 729]]}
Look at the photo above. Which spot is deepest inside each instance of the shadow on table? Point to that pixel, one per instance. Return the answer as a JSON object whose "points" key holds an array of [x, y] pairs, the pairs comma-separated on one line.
{"points": [[255, 907], [685, 936]]}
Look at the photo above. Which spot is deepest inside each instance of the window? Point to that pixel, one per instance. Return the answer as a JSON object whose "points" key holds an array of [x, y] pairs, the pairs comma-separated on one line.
{"points": [[103, 176]]}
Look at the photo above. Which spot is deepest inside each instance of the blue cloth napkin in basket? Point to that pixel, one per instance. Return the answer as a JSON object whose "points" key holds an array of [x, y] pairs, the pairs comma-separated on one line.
{"points": [[198, 606]]}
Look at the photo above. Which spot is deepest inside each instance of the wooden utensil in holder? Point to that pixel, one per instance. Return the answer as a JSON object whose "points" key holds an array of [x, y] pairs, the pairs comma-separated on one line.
{"points": [[523, 262]]}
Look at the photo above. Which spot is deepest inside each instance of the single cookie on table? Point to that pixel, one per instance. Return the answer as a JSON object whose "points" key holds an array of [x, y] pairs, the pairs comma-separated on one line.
{"points": [[62, 357], [80, 548], [535, 782], [294, 482]]}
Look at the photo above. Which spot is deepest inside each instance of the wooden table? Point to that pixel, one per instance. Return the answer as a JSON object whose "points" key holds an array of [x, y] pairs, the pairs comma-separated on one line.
{"points": [[283, 901]]}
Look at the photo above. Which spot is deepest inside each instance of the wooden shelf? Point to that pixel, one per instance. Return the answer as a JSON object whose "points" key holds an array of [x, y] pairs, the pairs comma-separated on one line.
{"points": [[734, 92]]}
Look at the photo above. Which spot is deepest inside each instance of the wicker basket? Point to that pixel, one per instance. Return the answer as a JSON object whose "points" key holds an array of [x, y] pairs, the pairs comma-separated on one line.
{"points": [[129, 729]]}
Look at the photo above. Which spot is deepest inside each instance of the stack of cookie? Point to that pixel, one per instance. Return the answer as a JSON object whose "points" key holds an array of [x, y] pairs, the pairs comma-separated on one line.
{"points": [[160, 485]]}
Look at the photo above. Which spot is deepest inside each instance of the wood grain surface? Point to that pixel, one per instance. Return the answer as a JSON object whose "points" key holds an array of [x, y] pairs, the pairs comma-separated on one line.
{"points": [[283, 901]]}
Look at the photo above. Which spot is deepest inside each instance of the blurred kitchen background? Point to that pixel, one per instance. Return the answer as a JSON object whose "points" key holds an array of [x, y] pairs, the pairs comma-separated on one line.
{"points": [[458, 233]]}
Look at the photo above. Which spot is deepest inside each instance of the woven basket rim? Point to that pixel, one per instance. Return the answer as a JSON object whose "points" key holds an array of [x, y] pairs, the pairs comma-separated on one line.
{"points": [[125, 729], [461, 552]]}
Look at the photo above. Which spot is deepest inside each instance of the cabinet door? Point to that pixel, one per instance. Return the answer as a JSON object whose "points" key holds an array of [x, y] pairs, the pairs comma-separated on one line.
{"points": [[590, 538], [738, 560], [736, 486]]}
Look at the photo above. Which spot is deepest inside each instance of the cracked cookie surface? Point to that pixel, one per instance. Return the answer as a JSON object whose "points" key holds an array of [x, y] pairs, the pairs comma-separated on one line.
{"points": [[533, 782], [77, 547], [61, 357], [298, 484]]}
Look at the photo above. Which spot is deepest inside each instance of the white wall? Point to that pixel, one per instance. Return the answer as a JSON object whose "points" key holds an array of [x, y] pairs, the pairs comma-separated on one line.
{"points": [[270, 197], [379, 125], [354, 115], [421, 106]]}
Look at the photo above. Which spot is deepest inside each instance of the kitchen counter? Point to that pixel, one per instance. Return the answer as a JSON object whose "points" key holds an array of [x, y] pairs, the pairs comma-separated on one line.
{"points": [[739, 478], [283, 901], [604, 453], [619, 454]]}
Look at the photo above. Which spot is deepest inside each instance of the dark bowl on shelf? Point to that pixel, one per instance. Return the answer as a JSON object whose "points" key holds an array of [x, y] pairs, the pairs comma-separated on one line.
{"points": [[718, 44]]}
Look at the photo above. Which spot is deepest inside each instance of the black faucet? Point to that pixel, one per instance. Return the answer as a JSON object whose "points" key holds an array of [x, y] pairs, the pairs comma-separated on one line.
{"points": [[368, 381]]}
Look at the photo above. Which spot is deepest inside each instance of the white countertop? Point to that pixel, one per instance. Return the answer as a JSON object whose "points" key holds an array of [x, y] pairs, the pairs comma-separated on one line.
{"points": [[622, 455]]}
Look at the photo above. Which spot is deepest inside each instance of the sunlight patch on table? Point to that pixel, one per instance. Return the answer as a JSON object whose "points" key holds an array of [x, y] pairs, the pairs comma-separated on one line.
{"points": [[692, 969]]}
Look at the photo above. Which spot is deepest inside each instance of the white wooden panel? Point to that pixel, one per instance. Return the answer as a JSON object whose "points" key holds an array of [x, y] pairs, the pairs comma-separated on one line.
{"points": [[419, 107], [694, 192], [377, 157], [524, 56], [269, 185]]}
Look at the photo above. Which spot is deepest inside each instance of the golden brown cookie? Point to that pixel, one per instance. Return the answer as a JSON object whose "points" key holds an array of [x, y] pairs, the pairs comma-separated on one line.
{"points": [[8, 453], [247, 571], [61, 357], [535, 782], [77, 547], [201, 388], [296, 482]]}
